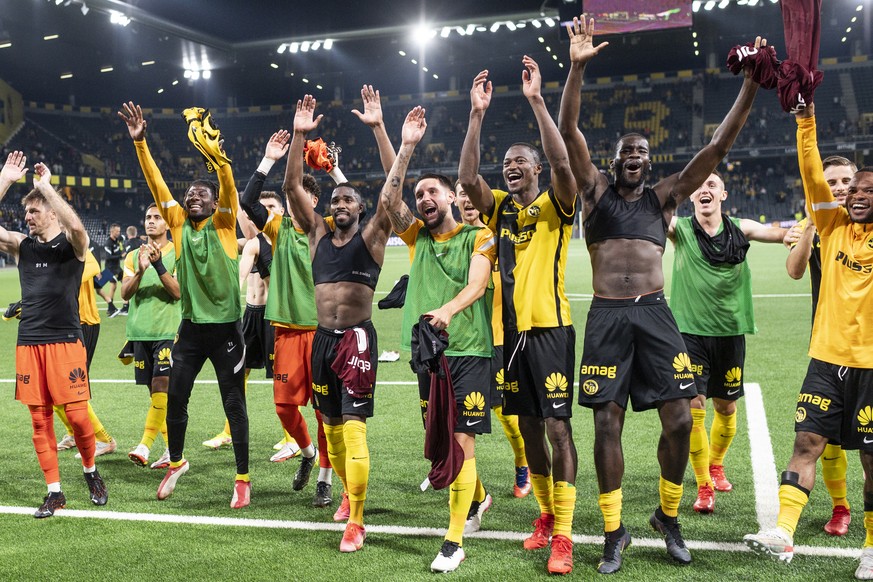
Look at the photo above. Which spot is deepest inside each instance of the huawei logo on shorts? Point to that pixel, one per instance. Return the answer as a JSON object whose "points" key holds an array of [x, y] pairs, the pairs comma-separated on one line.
{"points": [[474, 400], [164, 354], [865, 415], [77, 375], [556, 381], [733, 375], [499, 377], [682, 362]]}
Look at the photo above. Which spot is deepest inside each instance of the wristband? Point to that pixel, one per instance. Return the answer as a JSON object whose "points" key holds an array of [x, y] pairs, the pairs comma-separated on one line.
{"points": [[159, 267], [265, 165]]}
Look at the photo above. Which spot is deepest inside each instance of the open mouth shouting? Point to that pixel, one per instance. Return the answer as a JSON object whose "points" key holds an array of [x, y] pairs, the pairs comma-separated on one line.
{"points": [[633, 168], [429, 211], [514, 178]]}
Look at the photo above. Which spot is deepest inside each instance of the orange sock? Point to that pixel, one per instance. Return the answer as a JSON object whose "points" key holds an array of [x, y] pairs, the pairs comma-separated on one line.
{"points": [[44, 442], [294, 423], [83, 431]]}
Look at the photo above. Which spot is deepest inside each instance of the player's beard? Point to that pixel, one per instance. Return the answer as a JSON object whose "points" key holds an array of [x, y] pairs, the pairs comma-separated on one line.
{"points": [[620, 180]]}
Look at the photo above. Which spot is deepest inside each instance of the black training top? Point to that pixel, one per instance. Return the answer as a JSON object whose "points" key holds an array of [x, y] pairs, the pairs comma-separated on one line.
{"points": [[50, 276], [615, 217], [114, 253], [351, 262], [265, 257]]}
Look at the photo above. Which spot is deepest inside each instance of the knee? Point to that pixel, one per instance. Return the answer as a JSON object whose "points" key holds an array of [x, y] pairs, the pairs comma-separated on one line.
{"points": [[607, 424], [724, 407], [560, 433], [809, 446], [678, 424]]}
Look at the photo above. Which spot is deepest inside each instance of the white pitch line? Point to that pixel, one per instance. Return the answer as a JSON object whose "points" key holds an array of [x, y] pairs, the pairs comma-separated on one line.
{"points": [[398, 530], [763, 463], [270, 382]]}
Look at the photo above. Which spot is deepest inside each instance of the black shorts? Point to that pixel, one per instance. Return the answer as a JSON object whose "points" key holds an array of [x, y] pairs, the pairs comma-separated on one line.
{"points": [[539, 366], [498, 378], [633, 349], [328, 394], [105, 277], [717, 363], [470, 379], [90, 333], [837, 402], [151, 359], [260, 338]]}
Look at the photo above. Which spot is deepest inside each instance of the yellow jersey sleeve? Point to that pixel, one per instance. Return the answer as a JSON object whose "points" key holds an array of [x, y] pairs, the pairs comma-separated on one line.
{"points": [[129, 267], [410, 235], [486, 245], [271, 228], [820, 203], [92, 267], [491, 220]]}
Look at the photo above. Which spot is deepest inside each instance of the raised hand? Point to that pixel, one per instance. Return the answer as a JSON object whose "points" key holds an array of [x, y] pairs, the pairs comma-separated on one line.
{"points": [[144, 259], [372, 114], [414, 126], [132, 117], [759, 43], [480, 94], [277, 146], [531, 79], [41, 175], [582, 47], [15, 167], [303, 118]]}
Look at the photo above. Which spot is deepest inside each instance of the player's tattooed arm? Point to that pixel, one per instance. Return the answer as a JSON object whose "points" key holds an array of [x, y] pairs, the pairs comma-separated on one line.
{"points": [[391, 204]]}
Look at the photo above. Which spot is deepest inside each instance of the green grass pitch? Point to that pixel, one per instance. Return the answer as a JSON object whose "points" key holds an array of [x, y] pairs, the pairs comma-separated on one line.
{"points": [[74, 548]]}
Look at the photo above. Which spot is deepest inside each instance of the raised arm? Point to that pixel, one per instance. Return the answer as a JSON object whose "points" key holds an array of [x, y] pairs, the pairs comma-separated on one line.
{"points": [[299, 199], [468, 170], [277, 147], [172, 212], [67, 217], [762, 233], [13, 170], [582, 50], [800, 249], [373, 117], [675, 189], [563, 182], [391, 199]]}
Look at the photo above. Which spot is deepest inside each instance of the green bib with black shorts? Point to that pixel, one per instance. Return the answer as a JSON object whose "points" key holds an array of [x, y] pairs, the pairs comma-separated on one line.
{"points": [[153, 314], [208, 278]]}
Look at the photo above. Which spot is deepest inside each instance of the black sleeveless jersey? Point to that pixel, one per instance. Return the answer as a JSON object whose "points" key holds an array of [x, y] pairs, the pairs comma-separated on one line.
{"points": [[265, 257], [615, 217], [50, 276], [351, 262]]}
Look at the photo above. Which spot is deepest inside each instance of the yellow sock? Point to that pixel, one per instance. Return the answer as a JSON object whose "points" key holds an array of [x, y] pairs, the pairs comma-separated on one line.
{"points": [[99, 430], [671, 495], [336, 451], [610, 506], [179, 463], [479, 492], [164, 433], [564, 502], [833, 470], [513, 435], [868, 526], [357, 468], [59, 410], [544, 491], [155, 418], [791, 503], [243, 477], [724, 427], [699, 452], [460, 497], [288, 437]]}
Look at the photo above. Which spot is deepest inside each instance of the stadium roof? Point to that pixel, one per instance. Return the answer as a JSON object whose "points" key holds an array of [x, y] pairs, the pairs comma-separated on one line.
{"points": [[70, 51]]}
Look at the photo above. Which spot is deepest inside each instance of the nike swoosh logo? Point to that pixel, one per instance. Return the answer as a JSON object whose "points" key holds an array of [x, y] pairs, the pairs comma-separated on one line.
{"points": [[732, 392], [441, 254], [230, 349], [358, 404], [684, 386], [556, 405], [830, 459], [472, 423], [196, 239], [359, 458], [164, 368], [866, 442], [56, 245], [80, 392]]}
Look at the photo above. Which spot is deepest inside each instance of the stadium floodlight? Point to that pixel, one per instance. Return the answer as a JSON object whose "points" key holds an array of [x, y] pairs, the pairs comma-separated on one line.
{"points": [[319, 87], [294, 47], [536, 23], [328, 44], [510, 25], [695, 6], [147, 63], [710, 4], [58, 3], [494, 27], [424, 69], [435, 76], [305, 80], [161, 90], [85, 9], [5, 44], [859, 8], [282, 48], [471, 28], [445, 32], [724, 4], [195, 75], [316, 45], [422, 34], [274, 65], [304, 46], [401, 53], [753, 2], [187, 73], [51, 37], [106, 69], [118, 18], [844, 39], [207, 74], [67, 76], [175, 82], [480, 29], [549, 21]]}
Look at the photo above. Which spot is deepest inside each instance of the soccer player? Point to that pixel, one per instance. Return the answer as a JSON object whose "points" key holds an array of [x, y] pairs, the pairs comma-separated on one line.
{"points": [[89, 318], [290, 308], [521, 488], [534, 227], [451, 267], [50, 359], [152, 291], [346, 262], [114, 253], [711, 299], [204, 235], [131, 243], [834, 401], [632, 347]]}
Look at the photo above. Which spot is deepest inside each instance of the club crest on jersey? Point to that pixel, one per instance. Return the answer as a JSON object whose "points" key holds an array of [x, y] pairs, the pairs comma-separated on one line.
{"points": [[533, 211]]}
